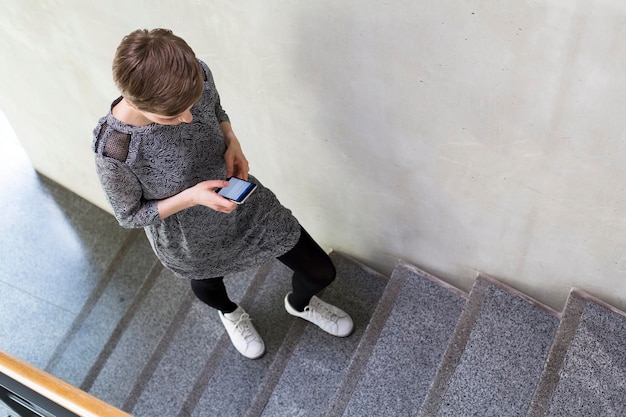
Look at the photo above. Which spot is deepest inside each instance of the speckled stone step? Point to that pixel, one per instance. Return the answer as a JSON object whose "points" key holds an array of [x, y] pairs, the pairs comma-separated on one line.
{"points": [[95, 325], [121, 364], [496, 355], [237, 380], [586, 368], [190, 352], [403, 346], [54, 249], [318, 361]]}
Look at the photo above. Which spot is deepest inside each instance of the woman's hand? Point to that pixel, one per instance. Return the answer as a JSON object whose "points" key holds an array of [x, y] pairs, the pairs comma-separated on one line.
{"points": [[202, 193], [236, 162]]}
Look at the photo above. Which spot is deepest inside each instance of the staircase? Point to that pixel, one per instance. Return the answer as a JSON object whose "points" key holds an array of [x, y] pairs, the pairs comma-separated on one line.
{"points": [[135, 336], [420, 348]]}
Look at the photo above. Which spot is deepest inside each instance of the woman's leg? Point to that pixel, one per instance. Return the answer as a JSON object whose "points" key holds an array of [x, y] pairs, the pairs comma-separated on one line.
{"points": [[313, 270], [237, 322], [213, 293]]}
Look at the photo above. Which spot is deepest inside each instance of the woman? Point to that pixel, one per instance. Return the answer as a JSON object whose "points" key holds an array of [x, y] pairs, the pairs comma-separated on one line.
{"points": [[161, 152]]}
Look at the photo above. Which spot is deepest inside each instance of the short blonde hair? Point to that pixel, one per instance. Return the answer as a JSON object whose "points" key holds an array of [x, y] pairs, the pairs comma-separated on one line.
{"points": [[158, 72]]}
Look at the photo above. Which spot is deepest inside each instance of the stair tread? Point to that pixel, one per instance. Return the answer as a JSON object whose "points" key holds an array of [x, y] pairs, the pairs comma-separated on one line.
{"points": [[318, 362], [410, 346], [55, 246], [184, 356], [124, 365], [237, 380], [591, 381], [93, 333], [167, 387], [503, 356]]}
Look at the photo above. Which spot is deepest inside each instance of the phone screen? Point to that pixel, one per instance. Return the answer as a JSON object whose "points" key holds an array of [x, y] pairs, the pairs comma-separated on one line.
{"points": [[238, 190]]}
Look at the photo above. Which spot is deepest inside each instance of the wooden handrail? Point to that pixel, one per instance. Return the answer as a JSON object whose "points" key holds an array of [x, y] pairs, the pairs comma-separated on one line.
{"points": [[56, 390]]}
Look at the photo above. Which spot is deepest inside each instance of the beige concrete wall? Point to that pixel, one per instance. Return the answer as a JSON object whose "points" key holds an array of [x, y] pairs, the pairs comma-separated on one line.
{"points": [[460, 136]]}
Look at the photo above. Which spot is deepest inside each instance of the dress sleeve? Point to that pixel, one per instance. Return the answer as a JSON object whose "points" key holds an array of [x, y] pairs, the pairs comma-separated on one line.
{"points": [[123, 189], [220, 113], [125, 195]]}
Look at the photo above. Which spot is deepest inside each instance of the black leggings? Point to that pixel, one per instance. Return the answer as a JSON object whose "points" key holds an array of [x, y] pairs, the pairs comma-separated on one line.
{"points": [[312, 272]]}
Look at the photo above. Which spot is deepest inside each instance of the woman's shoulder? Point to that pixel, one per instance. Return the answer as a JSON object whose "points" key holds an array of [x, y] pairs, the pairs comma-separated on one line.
{"points": [[111, 142], [208, 75], [112, 136]]}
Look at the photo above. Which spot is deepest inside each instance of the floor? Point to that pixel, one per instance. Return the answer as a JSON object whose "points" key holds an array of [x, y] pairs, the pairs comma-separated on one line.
{"points": [[54, 247]]}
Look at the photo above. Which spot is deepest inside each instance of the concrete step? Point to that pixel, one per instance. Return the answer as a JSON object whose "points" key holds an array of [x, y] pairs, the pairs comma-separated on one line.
{"points": [[54, 249], [151, 355], [236, 380], [586, 370], [315, 366], [191, 354], [200, 364], [138, 334], [108, 304], [402, 347], [496, 355]]}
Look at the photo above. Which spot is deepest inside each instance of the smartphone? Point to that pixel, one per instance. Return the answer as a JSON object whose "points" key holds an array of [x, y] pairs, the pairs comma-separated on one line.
{"points": [[238, 190]]}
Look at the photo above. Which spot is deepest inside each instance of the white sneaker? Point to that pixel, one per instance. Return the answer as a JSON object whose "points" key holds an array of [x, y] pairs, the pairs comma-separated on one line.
{"points": [[242, 333], [327, 317]]}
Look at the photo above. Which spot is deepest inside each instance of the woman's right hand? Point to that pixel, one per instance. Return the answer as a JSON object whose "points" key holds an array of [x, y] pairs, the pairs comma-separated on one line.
{"points": [[204, 194]]}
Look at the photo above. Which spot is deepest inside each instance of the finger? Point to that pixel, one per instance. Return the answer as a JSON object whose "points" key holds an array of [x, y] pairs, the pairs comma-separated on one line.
{"points": [[242, 173], [229, 208], [213, 184], [229, 169]]}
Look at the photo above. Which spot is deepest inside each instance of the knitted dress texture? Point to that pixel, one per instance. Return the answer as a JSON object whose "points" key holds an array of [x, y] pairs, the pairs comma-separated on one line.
{"points": [[137, 166]]}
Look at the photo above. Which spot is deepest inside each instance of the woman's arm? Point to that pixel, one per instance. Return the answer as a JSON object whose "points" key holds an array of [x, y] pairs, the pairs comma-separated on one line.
{"points": [[202, 193], [236, 162], [125, 196], [124, 193]]}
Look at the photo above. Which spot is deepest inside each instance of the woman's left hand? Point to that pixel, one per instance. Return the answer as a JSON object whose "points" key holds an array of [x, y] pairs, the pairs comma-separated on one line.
{"points": [[236, 162]]}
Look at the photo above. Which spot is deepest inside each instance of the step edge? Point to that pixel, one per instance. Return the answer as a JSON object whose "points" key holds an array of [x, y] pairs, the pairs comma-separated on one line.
{"points": [[91, 302], [592, 298], [553, 366], [427, 275], [158, 353], [118, 332], [452, 356], [367, 343], [378, 279], [218, 352], [514, 291], [276, 369]]}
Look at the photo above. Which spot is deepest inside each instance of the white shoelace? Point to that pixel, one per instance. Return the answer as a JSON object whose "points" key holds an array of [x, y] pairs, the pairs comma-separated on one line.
{"points": [[243, 326], [325, 314]]}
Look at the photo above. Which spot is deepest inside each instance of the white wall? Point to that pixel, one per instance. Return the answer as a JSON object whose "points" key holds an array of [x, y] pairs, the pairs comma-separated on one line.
{"points": [[460, 136]]}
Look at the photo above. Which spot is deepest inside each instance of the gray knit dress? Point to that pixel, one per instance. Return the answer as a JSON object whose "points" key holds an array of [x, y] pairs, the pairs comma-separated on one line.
{"points": [[137, 166]]}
